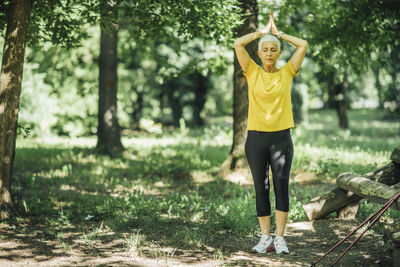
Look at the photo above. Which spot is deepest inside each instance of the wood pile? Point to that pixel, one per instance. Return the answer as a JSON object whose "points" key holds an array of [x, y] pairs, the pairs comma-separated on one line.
{"points": [[378, 186]]}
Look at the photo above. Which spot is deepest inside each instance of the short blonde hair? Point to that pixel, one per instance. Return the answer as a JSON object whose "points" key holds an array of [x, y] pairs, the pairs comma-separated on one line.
{"points": [[269, 38]]}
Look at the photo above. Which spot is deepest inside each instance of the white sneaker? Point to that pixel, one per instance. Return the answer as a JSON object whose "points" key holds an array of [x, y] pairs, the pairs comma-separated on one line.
{"points": [[280, 245], [264, 245]]}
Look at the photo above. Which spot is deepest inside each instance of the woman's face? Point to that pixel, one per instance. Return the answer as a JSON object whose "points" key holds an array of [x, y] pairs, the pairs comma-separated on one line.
{"points": [[269, 53]]}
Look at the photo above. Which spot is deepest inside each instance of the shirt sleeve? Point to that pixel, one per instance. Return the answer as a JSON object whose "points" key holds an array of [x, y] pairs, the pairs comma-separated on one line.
{"points": [[250, 69], [289, 69]]}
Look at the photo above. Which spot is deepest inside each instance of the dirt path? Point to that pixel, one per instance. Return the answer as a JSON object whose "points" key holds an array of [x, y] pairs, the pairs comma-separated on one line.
{"points": [[307, 241]]}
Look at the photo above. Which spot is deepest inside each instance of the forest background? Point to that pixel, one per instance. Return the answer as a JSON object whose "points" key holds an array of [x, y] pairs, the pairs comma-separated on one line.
{"points": [[132, 117], [165, 79]]}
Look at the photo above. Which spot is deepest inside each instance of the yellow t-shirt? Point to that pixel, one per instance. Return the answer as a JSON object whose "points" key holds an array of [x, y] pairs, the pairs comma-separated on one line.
{"points": [[270, 104]]}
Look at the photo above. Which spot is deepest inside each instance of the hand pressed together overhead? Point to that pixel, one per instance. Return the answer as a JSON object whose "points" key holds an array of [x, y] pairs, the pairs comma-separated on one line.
{"points": [[270, 25]]}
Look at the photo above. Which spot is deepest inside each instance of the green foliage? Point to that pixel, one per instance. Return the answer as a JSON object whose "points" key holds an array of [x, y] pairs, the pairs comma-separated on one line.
{"points": [[59, 89], [300, 102], [59, 22], [343, 34], [208, 20]]}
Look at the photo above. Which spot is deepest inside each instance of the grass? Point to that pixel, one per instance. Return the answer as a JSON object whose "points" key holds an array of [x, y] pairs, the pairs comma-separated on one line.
{"points": [[166, 187]]}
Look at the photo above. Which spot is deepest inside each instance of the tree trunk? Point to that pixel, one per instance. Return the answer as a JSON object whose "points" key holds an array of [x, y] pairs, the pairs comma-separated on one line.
{"points": [[330, 101], [364, 187], [394, 70], [10, 91], [200, 98], [378, 85], [109, 137], [137, 108], [174, 100], [341, 90], [236, 157]]}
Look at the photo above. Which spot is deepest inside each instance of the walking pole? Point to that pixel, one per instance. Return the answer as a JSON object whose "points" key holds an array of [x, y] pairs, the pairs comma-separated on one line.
{"points": [[364, 222], [389, 203]]}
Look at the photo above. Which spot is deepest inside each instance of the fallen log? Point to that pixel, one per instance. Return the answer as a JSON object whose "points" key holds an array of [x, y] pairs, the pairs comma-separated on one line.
{"points": [[388, 174], [335, 200], [349, 211], [361, 186], [395, 157], [338, 199]]}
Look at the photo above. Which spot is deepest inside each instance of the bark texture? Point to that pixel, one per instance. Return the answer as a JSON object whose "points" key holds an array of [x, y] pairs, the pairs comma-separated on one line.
{"points": [[137, 108], [350, 211], [388, 174], [395, 157], [335, 200], [10, 91], [364, 187], [341, 109], [240, 98], [109, 137], [200, 98]]}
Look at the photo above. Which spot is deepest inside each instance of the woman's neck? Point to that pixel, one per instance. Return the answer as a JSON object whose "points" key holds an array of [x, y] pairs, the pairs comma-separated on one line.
{"points": [[270, 68]]}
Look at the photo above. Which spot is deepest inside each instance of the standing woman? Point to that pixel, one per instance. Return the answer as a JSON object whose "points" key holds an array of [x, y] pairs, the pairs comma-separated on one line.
{"points": [[270, 119]]}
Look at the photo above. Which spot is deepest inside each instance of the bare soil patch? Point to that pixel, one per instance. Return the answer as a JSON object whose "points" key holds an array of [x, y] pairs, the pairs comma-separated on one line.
{"points": [[21, 245]]}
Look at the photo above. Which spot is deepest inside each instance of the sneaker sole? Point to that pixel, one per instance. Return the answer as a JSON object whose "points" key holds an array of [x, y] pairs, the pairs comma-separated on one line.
{"points": [[255, 251], [282, 252]]}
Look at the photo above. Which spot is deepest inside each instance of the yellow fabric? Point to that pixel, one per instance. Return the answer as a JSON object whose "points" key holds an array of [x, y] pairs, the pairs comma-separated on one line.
{"points": [[270, 104]]}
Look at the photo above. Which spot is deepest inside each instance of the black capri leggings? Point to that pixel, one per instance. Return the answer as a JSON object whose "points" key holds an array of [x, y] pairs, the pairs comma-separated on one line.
{"points": [[275, 149]]}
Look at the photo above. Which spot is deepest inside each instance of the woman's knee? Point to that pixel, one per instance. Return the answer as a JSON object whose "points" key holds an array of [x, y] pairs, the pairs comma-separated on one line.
{"points": [[282, 204]]}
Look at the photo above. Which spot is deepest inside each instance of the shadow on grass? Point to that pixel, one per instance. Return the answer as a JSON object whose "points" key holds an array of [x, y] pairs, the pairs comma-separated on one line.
{"points": [[75, 203]]}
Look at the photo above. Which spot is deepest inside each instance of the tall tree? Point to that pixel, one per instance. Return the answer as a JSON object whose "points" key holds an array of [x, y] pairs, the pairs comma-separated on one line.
{"points": [[200, 97], [393, 93], [40, 21], [236, 157], [108, 131], [10, 90]]}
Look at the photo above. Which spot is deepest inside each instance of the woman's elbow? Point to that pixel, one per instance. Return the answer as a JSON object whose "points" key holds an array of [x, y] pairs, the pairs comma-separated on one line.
{"points": [[304, 44], [236, 43]]}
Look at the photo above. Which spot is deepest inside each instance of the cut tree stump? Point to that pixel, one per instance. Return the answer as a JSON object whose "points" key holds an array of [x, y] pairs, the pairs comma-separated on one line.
{"points": [[374, 191]]}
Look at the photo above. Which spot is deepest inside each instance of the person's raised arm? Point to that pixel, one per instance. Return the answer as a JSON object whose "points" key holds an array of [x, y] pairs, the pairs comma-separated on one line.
{"points": [[241, 42], [300, 44]]}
